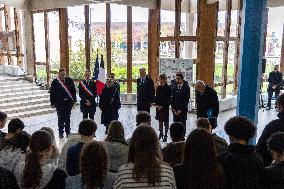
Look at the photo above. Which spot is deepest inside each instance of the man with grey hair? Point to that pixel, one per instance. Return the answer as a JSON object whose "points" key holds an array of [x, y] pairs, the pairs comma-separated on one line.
{"points": [[145, 91], [207, 103]]}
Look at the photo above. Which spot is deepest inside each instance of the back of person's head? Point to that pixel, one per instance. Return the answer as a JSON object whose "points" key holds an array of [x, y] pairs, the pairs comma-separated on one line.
{"points": [[115, 130], [50, 131], [93, 165], [145, 154], [177, 131], [39, 149], [203, 123], [276, 144], [143, 117], [87, 127], [19, 141], [15, 125], [55, 151], [240, 128], [201, 158], [3, 118], [280, 103]]}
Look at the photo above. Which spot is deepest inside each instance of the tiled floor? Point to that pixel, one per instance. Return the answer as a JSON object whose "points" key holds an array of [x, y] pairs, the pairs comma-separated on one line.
{"points": [[127, 117]]}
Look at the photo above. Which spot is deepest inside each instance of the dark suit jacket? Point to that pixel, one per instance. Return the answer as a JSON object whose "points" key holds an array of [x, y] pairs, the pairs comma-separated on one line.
{"points": [[180, 99], [58, 96], [275, 78], [206, 101], [110, 99], [145, 92], [84, 96]]}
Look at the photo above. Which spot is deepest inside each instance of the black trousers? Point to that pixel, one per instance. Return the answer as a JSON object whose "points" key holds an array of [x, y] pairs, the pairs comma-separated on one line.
{"points": [[64, 113], [270, 94], [88, 114]]}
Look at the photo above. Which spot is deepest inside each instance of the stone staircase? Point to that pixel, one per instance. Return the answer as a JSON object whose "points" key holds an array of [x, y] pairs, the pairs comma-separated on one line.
{"points": [[20, 98]]}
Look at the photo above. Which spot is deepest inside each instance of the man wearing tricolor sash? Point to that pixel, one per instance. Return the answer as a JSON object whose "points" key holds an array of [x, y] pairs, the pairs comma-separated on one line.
{"points": [[63, 98], [88, 94]]}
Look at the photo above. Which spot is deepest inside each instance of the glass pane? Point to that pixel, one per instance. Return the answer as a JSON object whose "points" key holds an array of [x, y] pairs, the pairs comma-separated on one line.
{"points": [[188, 49], [41, 72], [218, 90], [234, 23], [221, 23], [230, 90], [218, 62], [231, 67], [167, 23], [139, 40], [54, 42], [119, 40], [167, 49], [76, 30], [188, 24], [98, 32], [39, 34]]}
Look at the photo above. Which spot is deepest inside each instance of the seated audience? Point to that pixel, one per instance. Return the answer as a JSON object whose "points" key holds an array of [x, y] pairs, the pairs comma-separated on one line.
{"points": [[274, 174], [220, 143], [200, 168], [7, 180], [143, 117], [272, 127], [116, 146], [14, 126], [54, 152], [3, 119], [35, 172], [243, 168], [93, 169], [87, 130], [145, 168], [172, 153], [13, 151]]}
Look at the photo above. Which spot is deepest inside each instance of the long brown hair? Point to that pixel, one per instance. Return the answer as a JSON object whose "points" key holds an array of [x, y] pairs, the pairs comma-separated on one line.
{"points": [[93, 165], [40, 142], [54, 152], [201, 159], [145, 154], [116, 132]]}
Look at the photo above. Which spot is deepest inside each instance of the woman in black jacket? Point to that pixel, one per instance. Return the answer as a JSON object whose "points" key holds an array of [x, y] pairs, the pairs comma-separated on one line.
{"points": [[163, 101], [274, 174], [109, 103], [243, 168]]}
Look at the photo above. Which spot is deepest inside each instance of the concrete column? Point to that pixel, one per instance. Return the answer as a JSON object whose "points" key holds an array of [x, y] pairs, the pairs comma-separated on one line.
{"points": [[251, 52], [28, 43], [189, 32]]}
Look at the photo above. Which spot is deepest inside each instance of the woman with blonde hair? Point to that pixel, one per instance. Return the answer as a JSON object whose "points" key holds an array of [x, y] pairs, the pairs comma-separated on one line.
{"points": [[54, 152]]}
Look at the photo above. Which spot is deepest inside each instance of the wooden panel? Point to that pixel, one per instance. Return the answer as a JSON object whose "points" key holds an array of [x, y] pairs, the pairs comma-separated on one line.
{"points": [[129, 49], [177, 27], [33, 46], [153, 47], [206, 35], [47, 50], [108, 37], [7, 28], [1, 29], [87, 37], [17, 33], [226, 48], [63, 36], [282, 53]]}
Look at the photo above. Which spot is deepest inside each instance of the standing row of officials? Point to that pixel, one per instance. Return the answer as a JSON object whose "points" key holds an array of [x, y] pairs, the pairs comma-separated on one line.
{"points": [[162, 95]]}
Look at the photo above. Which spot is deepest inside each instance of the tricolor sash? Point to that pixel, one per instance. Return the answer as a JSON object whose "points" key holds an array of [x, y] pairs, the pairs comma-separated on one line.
{"points": [[85, 88], [65, 88]]}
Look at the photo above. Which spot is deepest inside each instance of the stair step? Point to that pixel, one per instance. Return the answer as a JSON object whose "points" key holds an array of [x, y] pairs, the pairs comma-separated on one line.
{"points": [[8, 83], [9, 110], [20, 94], [31, 113], [24, 102], [20, 89], [17, 85], [9, 78], [23, 98]]}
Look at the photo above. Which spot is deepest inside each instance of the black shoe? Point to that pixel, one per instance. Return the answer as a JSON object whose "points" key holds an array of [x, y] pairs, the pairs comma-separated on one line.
{"points": [[67, 135], [61, 136], [268, 108], [165, 138], [106, 132]]}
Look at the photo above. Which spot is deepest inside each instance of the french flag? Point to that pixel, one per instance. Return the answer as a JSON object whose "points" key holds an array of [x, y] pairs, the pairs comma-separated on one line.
{"points": [[99, 74]]}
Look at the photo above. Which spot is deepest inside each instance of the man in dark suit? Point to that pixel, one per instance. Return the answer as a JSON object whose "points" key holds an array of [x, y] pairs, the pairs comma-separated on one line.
{"points": [[63, 98], [88, 94], [145, 91], [207, 103], [275, 80], [180, 99]]}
